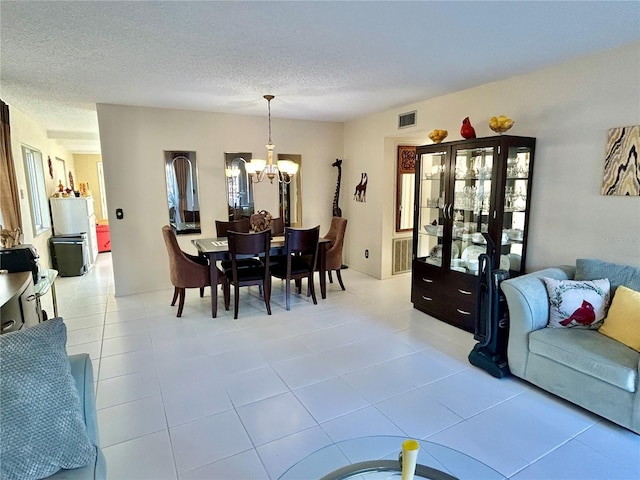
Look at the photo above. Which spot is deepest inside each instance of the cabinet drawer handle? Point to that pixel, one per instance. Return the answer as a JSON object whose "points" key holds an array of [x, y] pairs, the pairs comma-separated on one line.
{"points": [[428, 299], [464, 292], [428, 280], [463, 312], [31, 298], [6, 326]]}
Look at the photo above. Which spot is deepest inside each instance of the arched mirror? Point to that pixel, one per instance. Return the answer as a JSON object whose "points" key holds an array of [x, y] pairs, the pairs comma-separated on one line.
{"points": [[182, 191], [405, 187], [239, 185]]}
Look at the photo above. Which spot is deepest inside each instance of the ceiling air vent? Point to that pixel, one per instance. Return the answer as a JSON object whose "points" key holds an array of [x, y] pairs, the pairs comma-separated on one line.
{"points": [[407, 119]]}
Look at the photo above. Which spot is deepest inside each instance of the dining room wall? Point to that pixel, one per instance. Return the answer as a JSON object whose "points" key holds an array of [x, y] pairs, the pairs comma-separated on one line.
{"points": [[132, 142], [568, 107]]}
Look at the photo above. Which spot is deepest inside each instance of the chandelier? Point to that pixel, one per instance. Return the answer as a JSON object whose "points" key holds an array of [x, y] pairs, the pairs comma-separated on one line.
{"points": [[259, 169]]}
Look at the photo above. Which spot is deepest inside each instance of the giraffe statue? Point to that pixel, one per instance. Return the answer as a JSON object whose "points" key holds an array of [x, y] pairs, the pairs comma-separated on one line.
{"points": [[337, 212]]}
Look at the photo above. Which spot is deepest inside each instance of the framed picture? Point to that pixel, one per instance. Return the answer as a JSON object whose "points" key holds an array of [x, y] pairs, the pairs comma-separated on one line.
{"points": [[621, 163]]}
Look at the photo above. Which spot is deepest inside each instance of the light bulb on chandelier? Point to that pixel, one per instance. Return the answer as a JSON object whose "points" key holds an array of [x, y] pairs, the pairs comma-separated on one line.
{"points": [[258, 169]]}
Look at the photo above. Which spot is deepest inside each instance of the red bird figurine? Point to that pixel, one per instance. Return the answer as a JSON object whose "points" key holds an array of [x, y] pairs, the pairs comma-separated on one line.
{"points": [[467, 131], [584, 315]]}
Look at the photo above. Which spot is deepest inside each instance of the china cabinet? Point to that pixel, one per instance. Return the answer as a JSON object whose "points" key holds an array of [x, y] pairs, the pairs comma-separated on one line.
{"points": [[469, 194]]}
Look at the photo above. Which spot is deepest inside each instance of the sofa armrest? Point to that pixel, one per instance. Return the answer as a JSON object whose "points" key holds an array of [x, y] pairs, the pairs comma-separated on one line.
{"points": [[528, 304], [82, 371]]}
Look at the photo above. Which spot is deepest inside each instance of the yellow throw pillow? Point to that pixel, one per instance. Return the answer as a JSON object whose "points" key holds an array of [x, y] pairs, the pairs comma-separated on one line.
{"points": [[623, 320]]}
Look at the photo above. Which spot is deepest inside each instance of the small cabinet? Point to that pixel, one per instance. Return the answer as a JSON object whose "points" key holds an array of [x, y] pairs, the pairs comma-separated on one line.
{"points": [[19, 305], [470, 195]]}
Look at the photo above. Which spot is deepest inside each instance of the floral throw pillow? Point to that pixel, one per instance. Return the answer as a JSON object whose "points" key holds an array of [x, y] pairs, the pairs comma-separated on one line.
{"points": [[579, 304]]}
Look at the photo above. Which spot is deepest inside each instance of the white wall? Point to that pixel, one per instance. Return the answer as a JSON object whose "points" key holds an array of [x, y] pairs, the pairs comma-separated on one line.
{"points": [[133, 140], [25, 131], [568, 108]]}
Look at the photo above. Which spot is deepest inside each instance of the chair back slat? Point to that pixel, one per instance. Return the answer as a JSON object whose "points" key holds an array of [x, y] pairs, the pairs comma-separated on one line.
{"points": [[301, 241]]}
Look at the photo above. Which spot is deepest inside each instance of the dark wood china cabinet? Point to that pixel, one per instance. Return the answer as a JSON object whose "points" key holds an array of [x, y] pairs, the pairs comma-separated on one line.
{"points": [[465, 189]]}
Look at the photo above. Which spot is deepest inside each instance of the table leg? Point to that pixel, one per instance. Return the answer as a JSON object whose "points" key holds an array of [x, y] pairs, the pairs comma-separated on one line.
{"points": [[55, 299], [214, 286]]}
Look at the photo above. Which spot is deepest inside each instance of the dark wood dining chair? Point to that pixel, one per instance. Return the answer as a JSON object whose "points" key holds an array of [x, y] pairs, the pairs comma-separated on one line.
{"points": [[299, 262], [222, 226], [242, 226], [191, 216], [241, 247], [333, 255], [189, 271], [277, 226]]}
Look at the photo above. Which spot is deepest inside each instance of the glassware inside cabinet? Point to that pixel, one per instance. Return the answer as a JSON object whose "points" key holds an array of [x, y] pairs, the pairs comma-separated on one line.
{"points": [[515, 208], [471, 206], [431, 207]]}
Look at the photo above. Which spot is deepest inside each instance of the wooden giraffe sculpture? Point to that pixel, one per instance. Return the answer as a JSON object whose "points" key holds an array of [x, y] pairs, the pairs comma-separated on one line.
{"points": [[337, 212]]}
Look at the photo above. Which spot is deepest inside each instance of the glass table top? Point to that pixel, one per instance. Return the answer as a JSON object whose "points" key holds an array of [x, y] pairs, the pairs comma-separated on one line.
{"points": [[376, 458]]}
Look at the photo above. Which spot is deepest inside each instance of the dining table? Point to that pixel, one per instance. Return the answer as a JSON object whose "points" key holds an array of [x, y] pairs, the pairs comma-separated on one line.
{"points": [[217, 249]]}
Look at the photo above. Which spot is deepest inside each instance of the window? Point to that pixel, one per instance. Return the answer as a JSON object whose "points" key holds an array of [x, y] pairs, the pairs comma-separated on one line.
{"points": [[36, 186]]}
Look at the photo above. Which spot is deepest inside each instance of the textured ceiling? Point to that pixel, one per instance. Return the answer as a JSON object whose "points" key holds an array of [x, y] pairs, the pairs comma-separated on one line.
{"points": [[324, 60]]}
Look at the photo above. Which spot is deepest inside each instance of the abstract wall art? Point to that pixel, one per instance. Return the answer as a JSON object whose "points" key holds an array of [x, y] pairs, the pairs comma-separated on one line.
{"points": [[621, 163]]}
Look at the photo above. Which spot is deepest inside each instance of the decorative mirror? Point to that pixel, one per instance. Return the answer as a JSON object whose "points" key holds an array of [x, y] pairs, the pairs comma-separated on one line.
{"points": [[290, 193], [405, 187], [239, 185], [182, 191]]}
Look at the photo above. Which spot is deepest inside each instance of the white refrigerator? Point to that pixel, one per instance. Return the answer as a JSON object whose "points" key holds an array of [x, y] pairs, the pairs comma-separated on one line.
{"points": [[75, 215]]}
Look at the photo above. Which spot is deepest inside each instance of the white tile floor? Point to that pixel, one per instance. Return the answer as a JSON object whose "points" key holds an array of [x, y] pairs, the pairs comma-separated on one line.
{"points": [[203, 398]]}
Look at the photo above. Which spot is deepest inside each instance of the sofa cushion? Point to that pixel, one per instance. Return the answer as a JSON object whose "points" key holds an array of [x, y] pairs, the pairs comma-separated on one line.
{"points": [[577, 304], [589, 352], [623, 319], [42, 424], [591, 269]]}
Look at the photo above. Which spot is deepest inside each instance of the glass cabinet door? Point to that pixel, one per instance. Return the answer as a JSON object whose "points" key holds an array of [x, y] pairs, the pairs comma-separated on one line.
{"points": [[473, 169], [515, 207], [431, 207]]}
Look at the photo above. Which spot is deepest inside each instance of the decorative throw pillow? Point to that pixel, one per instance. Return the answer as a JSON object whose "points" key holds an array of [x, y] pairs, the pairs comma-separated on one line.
{"points": [[42, 423], [623, 320], [591, 269], [577, 304]]}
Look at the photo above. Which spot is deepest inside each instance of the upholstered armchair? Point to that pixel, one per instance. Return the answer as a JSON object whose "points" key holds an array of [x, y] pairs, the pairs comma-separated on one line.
{"points": [[334, 253], [189, 271]]}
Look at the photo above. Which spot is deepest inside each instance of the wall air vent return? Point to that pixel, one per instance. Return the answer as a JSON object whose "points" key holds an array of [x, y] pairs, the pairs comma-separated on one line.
{"points": [[402, 255], [408, 119]]}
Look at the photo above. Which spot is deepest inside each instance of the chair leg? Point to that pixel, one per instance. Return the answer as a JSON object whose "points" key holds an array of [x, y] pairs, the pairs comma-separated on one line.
{"points": [[330, 277], [267, 295], [226, 291], [201, 292], [312, 288], [339, 275], [176, 290], [287, 293], [181, 303], [299, 285], [236, 300]]}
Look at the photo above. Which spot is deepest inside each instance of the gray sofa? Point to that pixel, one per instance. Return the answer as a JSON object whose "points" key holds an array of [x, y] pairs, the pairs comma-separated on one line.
{"points": [[82, 371], [582, 366]]}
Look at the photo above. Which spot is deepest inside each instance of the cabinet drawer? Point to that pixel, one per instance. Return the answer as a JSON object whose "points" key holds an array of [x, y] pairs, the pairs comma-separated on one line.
{"points": [[462, 315], [11, 316]]}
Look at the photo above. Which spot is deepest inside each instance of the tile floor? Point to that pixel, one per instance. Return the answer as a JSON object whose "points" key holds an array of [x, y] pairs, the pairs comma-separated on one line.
{"points": [[203, 398]]}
